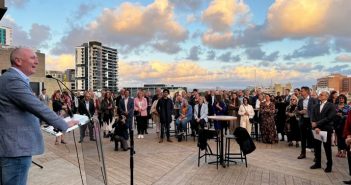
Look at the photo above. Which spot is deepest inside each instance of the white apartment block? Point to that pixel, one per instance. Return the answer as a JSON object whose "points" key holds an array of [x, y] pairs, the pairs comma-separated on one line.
{"points": [[96, 67]]}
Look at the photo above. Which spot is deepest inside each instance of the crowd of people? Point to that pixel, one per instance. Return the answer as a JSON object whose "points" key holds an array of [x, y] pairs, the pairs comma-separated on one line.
{"points": [[293, 117]]}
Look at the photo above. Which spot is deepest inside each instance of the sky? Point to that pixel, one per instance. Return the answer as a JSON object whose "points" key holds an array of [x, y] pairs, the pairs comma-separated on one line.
{"points": [[227, 44]]}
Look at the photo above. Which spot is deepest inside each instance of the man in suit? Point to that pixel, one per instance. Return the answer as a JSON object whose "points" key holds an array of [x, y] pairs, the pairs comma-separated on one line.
{"points": [[322, 120], [44, 97], [20, 133], [86, 107], [165, 108], [305, 107], [126, 108]]}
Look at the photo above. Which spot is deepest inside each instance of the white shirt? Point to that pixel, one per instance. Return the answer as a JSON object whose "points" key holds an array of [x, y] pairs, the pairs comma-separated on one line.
{"points": [[126, 104], [322, 105], [305, 105], [87, 105]]}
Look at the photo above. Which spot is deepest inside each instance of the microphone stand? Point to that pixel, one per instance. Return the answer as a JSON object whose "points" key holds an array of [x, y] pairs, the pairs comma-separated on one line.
{"points": [[103, 170]]}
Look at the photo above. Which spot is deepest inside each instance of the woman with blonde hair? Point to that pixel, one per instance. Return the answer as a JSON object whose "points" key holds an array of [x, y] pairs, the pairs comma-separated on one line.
{"points": [[156, 116], [140, 107]]}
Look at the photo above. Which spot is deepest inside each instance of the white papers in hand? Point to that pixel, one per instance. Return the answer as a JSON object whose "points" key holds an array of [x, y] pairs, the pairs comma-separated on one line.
{"points": [[81, 118], [322, 136]]}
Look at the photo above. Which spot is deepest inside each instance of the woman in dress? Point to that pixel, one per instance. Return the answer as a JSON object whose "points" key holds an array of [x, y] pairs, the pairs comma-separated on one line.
{"points": [[57, 106], [268, 130], [342, 109], [107, 113]]}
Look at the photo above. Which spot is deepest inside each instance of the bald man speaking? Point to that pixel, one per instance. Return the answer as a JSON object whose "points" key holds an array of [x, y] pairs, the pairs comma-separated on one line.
{"points": [[20, 111]]}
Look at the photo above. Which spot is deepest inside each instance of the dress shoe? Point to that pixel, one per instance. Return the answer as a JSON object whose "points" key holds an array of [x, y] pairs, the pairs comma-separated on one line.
{"points": [[169, 140], [297, 145], [301, 156], [80, 141], [161, 141], [315, 166], [116, 149], [328, 169], [63, 142], [290, 144], [92, 139], [347, 182]]}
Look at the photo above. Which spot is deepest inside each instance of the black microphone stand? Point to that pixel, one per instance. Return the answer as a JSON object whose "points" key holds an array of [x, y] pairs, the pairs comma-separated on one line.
{"points": [[132, 152], [40, 166], [103, 171]]}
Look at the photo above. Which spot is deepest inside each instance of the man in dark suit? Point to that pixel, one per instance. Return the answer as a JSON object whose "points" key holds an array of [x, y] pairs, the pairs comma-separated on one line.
{"points": [[86, 107], [165, 109], [305, 107], [20, 133], [126, 108], [322, 120]]}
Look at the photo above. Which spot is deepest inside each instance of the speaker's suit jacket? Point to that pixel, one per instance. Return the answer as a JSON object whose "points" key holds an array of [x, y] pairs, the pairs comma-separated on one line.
{"points": [[20, 133]]}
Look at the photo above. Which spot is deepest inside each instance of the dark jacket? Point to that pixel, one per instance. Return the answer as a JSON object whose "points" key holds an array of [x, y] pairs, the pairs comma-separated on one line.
{"points": [[121, 129], [244, 140], [82, 109], [312, 102], [165, 108], [324, 118]]}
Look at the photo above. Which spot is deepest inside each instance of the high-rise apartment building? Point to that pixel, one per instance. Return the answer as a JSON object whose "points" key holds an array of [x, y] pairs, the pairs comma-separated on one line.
{"points": [[96, 67], [70, 76], [5, 36]]}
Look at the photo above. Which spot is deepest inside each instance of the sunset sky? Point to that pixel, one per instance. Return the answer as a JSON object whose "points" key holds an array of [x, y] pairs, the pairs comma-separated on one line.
{"points": [[194, 43]]}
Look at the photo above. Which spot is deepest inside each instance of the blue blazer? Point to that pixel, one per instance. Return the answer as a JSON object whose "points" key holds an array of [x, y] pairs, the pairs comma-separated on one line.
{"points": [[20, 133]]}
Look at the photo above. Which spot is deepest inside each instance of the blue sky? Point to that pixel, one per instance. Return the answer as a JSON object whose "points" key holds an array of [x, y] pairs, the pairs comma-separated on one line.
{"points": [[194, 43]]}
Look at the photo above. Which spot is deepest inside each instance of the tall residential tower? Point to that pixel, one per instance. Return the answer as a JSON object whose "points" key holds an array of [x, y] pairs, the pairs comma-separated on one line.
{"points": [[96, 67]]}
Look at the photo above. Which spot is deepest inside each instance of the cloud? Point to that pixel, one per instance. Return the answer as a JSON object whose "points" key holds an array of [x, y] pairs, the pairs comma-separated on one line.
{"points": [[221, 14], [312, 48], [300, 18], [342, 69], [194, 53], [188, 4], [218, 40], [166, 47], [211, 55], [256, 53], [190, 18], [18, 3], [130, 26], [343, 44], [227, 57], [59, 63], [83, 9], [238, 76], [36, 37], [343, 58]]}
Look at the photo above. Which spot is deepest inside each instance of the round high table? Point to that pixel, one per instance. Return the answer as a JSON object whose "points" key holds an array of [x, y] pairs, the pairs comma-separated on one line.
{"points": [[222, 118]]}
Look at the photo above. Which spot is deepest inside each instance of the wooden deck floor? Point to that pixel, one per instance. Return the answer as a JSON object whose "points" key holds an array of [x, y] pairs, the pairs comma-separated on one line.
{"points": [[176, 163]]}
